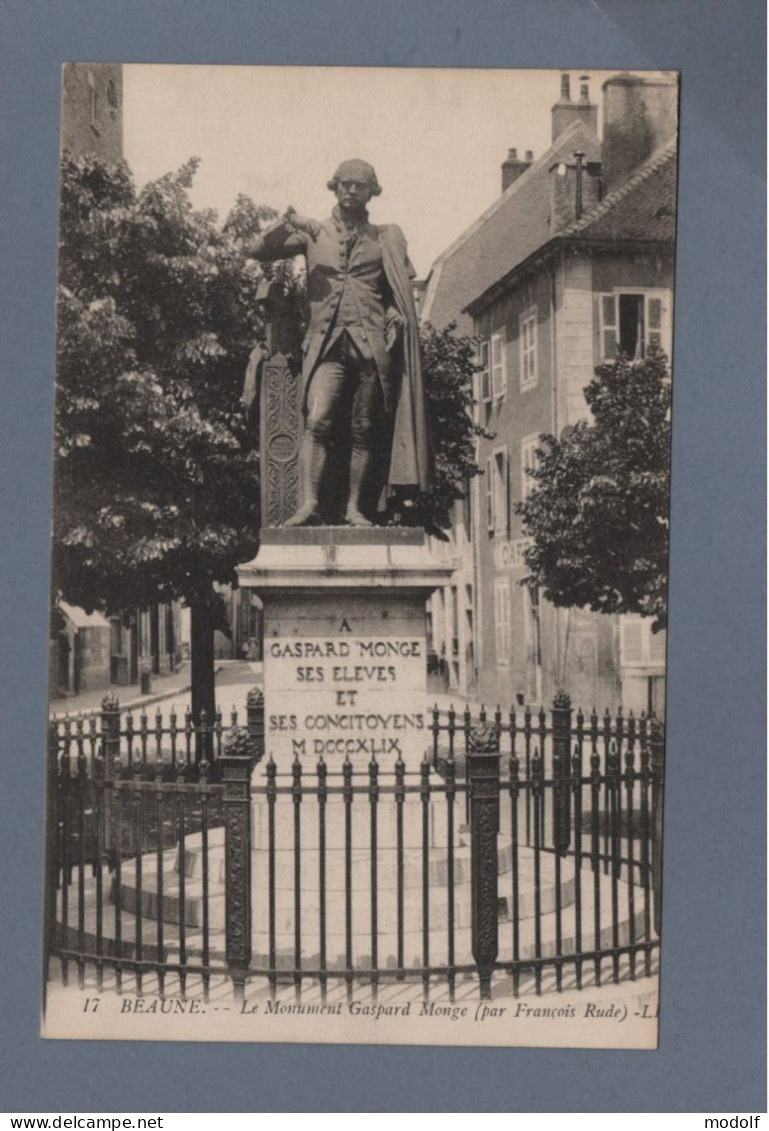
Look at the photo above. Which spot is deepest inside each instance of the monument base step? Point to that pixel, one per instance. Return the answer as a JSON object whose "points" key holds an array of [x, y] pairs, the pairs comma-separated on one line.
{"points": [[532, 944], [165, 899]]}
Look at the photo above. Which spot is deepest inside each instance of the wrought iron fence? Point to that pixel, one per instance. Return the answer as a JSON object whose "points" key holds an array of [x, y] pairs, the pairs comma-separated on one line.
{"points": [[519, 848]]}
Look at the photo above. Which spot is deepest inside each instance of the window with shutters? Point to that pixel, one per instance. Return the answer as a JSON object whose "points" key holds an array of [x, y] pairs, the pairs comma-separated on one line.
{"points": [[528, 348], [498, 493], [489, 477], [502, 628], [639, 646], [529, 445], [631, 321], [532, 632], [501, 493], [498, 364], [485, 374]]}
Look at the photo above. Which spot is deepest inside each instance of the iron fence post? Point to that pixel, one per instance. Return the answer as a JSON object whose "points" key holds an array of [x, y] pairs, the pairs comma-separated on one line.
{"points": [[657, 750], [236, 765], [483, 773], [110, 733], [255, 721], [561, 772], [110, 749]]}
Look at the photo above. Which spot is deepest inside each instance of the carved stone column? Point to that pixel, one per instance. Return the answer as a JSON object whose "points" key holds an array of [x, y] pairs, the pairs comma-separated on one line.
{"points": [[280, 408], [280, 436]]}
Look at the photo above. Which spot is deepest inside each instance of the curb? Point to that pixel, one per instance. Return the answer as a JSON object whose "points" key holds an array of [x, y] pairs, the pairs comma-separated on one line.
{"points": [[135, 704]]}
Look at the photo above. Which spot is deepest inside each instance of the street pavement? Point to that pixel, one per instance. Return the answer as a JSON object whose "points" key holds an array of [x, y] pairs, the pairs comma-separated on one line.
{"points": [[234, 679]]}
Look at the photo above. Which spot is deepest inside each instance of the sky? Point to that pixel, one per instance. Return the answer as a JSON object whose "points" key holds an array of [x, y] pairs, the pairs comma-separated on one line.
{"points": [[437, 138]]}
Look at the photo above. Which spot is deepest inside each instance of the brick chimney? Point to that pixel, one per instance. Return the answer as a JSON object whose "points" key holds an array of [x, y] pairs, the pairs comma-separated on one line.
{"points": [[513, 166], [565, 111], [575, 186], [640, 114]]}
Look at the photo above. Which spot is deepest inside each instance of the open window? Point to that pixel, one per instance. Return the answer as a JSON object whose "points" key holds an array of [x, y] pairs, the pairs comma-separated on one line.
{"points": [[632, 321]]}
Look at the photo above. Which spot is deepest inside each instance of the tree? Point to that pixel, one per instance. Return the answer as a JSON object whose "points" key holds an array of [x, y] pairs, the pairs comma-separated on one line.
{"points": [[448, 365], [156, 475], [598, 510]]}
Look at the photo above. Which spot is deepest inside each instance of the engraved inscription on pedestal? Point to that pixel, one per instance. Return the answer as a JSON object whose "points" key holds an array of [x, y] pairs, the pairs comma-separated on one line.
{"points": [[346, 682]]}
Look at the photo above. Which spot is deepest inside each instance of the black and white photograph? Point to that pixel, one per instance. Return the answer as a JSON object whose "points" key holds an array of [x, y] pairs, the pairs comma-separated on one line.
{"points": [[360, 534]]}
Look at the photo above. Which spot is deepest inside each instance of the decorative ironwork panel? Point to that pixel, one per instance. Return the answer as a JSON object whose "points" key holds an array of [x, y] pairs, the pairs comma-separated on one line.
{"points": [[237, 863], [483, 770], [561, 773]]}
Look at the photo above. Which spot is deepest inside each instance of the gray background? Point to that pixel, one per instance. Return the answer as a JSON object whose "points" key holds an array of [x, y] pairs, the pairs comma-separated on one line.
{"points": [[712, 1055]]}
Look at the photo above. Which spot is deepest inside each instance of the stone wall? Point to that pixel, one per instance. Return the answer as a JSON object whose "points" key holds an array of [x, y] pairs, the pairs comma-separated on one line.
{"points": [[92, 110]]}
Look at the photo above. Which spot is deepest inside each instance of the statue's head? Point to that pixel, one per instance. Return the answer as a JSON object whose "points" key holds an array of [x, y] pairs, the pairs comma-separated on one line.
{"points": [[354, 183]]}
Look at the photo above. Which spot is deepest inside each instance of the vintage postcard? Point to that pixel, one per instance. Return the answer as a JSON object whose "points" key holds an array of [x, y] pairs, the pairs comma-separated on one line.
{"points": [[360, 538]]}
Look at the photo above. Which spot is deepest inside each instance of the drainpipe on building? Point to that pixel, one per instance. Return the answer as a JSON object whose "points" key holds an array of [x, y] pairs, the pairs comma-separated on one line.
{"points": [[554, 427], [477, 597], [580, 157]]}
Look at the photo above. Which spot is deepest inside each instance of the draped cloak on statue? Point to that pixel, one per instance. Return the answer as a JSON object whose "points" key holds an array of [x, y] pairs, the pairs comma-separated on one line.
{"points": [[408, 466], [410, 458]]}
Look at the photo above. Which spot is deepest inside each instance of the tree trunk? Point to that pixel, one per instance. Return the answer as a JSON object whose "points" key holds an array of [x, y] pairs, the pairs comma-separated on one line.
{"points": [[202, 666]]}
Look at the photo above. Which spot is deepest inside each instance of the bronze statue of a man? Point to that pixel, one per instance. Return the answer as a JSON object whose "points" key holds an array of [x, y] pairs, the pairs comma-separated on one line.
{"points": [[361, 375]]}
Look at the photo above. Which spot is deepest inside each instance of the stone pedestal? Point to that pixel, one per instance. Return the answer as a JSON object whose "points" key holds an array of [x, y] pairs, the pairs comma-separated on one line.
{"points": [[345, 671]]}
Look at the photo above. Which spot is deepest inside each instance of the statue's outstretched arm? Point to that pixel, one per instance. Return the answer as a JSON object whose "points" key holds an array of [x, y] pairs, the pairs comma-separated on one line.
{"points": [[284, 238]]}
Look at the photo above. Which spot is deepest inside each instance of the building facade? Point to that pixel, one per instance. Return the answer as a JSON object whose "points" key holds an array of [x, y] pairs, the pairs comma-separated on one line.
{"points": [[92, 110], [573, 263], [451, 609], [242, 639]]}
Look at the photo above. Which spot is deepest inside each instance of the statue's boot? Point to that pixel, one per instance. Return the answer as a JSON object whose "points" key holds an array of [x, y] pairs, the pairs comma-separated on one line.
{"points": [[312, 463], [360, 462]]}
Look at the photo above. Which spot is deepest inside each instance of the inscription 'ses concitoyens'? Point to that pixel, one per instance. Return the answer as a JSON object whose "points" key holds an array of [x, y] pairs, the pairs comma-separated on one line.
{"points": [[356, 697]]}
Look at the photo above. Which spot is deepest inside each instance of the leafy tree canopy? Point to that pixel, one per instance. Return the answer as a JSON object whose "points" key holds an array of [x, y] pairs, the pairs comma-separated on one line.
{"points": [[598, 508], [156, 476], [448, 365]]}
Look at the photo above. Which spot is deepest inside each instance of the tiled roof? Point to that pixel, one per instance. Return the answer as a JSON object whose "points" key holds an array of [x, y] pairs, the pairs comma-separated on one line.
{"points": [[81, 619], [514, 227], [643, 208]]}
